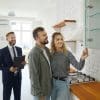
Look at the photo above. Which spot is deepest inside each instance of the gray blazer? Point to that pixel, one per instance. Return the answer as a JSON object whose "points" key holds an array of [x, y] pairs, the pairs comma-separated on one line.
{"points": [[39, 70]]}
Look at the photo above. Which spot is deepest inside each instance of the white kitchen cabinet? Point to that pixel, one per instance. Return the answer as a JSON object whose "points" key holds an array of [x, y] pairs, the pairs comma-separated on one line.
{"points": [[74, 97], [92, 24]]}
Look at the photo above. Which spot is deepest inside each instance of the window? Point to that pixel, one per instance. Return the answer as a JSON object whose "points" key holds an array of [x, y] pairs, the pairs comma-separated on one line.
{"points": [[23, 31]]}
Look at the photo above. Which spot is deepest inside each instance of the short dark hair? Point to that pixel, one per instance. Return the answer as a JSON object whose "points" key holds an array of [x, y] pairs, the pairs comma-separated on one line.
{"points": [[36, 30], [9, 33]]}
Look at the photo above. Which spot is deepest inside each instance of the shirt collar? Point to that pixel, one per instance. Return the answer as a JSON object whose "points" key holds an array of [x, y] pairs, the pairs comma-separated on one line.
{"points": [[9, 46], [41, 49]]}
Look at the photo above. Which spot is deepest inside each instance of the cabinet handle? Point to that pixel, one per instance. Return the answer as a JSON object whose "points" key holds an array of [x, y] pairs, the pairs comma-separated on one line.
{"points": [[90, 40], [90, 6]]}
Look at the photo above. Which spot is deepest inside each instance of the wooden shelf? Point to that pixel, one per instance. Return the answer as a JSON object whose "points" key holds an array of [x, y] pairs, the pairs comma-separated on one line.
{"points": [[63, 23]]}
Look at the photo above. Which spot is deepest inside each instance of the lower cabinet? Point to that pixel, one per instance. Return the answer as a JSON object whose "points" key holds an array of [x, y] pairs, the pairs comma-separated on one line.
{"points": [[74, 97]]}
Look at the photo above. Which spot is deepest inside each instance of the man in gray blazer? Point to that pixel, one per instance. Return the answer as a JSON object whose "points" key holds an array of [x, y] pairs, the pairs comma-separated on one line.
{"points": [[39, 66]]}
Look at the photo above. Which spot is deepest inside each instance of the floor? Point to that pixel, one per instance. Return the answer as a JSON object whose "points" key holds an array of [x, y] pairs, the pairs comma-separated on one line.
{"points": [[26, 95]]}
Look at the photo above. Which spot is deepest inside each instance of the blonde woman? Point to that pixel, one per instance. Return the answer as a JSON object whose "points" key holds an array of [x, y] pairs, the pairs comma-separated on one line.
{"points": [[61, 60]]}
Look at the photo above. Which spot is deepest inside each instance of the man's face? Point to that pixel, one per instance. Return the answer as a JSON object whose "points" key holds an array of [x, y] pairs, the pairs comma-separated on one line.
{"points": [[11, 39], [42, 37]]}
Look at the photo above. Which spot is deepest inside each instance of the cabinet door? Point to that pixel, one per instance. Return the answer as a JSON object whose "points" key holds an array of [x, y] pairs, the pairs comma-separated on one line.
{"points": [[92, 24]]}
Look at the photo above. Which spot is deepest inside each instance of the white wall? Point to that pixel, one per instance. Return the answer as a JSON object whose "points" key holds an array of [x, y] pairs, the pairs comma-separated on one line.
{"points": [[71, 45], [4, 27], [71, 9]]}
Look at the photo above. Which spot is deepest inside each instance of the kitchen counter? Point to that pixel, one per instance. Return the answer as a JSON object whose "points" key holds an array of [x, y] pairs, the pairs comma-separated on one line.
{"points": [[86, 91]]}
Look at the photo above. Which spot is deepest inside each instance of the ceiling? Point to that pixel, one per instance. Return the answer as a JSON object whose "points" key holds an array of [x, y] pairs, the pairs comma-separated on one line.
{"points": [[49, 12], [29, 8]]}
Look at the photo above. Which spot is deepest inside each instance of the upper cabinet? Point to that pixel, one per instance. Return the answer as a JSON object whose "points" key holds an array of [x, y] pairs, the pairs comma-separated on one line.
{"points": [[92, 24]]}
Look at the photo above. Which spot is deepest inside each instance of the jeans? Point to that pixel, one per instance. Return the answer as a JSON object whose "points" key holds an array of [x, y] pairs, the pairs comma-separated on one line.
{"points": [[38, 98], [60, 90]]}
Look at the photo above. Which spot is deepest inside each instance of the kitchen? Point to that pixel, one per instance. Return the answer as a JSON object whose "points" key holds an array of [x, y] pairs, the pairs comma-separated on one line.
{"points": [[78, 20]]}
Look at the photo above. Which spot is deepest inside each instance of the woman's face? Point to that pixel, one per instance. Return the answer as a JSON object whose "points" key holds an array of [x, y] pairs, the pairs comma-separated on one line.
{"points": [[58, 41]]}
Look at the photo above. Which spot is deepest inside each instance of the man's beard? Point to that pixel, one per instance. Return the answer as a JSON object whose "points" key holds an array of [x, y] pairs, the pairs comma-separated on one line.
{"points": [[12, 43], [44, 42]]}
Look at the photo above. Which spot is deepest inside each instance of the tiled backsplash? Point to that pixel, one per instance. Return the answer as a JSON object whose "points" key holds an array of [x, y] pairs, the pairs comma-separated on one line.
{"points": [[92, 64]]}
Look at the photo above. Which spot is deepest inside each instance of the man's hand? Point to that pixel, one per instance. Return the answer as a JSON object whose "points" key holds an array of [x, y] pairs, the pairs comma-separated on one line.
{"points": [[84, 54], [13, 69], [23, 62]]}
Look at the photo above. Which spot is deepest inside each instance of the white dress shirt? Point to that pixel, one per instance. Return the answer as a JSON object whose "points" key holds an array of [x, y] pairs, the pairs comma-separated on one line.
{"points": [[11, 51]]}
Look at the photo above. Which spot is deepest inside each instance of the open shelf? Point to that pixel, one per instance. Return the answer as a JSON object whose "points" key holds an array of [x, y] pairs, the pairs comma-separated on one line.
{"points": [[63, 23]]}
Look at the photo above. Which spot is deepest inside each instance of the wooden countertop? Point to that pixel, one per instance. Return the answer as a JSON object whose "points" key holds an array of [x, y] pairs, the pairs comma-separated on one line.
{"points": [[87, 91]]}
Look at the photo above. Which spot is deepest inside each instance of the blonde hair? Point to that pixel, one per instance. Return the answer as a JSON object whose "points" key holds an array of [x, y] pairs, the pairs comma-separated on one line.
{"points": [[53, 48]]}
